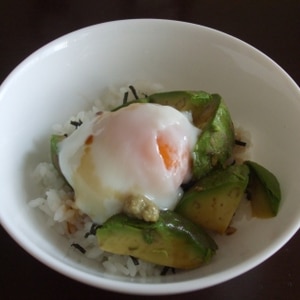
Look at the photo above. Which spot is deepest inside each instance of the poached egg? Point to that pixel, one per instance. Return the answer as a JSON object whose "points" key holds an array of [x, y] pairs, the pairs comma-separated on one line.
{"points": [[141, 151]]}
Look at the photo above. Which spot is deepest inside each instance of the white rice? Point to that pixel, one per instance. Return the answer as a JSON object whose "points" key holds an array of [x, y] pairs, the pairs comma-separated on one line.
{"points": [[57, 203]]}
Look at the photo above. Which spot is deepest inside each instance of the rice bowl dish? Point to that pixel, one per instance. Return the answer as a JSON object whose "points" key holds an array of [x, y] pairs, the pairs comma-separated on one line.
{"points": [[78, 85], [62, 211]]}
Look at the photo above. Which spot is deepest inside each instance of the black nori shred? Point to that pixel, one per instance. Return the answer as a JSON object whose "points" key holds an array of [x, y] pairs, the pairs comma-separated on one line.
{"points": [[76, 123], [125, 98], [166, 269], [78, 247], [240, 143], [188, 185], [248, 194], [133, 90], [93, 230], [135, 260]]}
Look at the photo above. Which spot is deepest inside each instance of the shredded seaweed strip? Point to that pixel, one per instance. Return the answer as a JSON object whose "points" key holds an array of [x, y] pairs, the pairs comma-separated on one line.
{"points": [[248, 194], [188, 185], [76, 123], [240, 143], [133, 90], [78, 247], [135, 260], [166, 269], [125, 98], [93, 230]]}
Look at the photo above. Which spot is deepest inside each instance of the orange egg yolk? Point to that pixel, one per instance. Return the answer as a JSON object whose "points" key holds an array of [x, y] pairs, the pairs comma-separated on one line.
{"points": [[171, 157]]}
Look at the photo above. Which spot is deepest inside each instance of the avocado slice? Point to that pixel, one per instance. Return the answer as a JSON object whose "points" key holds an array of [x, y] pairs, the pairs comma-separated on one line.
{"points": [[264, 189], [202, 105], [212, 201], [171, 241], [214, 146]]}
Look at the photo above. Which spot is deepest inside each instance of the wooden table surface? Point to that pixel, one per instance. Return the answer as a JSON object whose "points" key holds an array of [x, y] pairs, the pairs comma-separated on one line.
{"points": [[271, 26]]}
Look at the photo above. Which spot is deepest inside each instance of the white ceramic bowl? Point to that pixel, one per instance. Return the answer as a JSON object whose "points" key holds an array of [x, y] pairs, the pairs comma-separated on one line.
{"points": [[68, 74]]}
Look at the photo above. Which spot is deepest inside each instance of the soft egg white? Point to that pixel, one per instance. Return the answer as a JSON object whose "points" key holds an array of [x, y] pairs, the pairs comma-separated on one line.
{"points": [[139, 150]]}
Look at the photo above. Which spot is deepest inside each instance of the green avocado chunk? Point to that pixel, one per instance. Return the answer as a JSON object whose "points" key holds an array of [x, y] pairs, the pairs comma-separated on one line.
{"points": [[264, 189], [212, 201], [214, 146], [202, 105], [171, 241]]}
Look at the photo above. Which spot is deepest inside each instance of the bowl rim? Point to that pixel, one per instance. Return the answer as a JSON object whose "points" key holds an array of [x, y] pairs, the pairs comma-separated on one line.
{"points": [[127, 286]]}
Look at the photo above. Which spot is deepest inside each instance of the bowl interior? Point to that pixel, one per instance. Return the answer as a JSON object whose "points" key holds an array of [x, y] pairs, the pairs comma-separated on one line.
{"points": [[69, 74]]}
